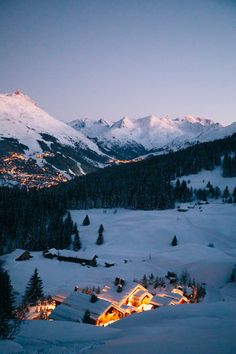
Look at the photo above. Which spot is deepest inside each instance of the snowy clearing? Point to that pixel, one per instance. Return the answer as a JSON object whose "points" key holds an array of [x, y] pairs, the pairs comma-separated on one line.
{"points": [[138, 242]]}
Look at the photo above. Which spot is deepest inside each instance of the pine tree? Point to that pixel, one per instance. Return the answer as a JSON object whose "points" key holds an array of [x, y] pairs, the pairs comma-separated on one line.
{"points": [[151, 279], [76, 243], [226, 194], [174, 241], [217, 192], [34, 289], [86, 221], [233, 275], [184, 277], [234, 195], [86, 318], [101, 229], [100, 239], [7, 300], [156, 282], [144, 281], [93, 298]]}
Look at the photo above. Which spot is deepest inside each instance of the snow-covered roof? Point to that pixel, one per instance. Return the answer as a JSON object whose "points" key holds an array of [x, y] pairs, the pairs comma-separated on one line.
{"points": [[75, 305], [170, 295], [110, 293], [161, 301], [71, 253]]}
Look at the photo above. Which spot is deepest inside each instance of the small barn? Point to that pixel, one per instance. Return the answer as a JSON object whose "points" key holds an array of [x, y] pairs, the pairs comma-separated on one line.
{"points": [[25, 256], [69, 256]]}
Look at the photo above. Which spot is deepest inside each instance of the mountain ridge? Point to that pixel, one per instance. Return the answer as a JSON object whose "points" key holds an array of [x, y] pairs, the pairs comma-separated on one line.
{"points": [[37, 141], [151, 134]]}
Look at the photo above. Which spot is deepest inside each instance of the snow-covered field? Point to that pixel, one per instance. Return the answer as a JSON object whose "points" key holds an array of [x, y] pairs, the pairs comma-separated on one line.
{"points": [[142, 239]]}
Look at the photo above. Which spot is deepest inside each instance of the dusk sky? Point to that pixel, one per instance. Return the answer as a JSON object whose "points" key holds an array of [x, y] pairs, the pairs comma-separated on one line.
{"points": [[106, 58]]}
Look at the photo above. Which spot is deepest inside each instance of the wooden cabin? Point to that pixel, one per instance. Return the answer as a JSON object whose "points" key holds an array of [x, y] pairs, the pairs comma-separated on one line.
{"points": [[69, 256], [25, 256], [91, 262]]}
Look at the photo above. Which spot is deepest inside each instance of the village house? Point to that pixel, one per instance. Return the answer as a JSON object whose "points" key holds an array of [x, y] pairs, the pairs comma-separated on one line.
{"points": [[132, 298], [78, 305], [166, 298]]}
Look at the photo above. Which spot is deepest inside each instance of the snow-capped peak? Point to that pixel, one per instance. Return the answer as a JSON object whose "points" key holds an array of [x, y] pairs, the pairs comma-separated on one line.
{"points": [[124, 122], [22, 119], [102, 122], [19, 95], [202, 121]]}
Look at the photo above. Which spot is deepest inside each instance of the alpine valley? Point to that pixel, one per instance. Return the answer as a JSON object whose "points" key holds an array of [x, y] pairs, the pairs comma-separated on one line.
{"points": [[137, 257], [37, 150]]}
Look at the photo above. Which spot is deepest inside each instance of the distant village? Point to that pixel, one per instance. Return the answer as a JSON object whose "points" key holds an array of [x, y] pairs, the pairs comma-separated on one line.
{"points": [[17, 169]]}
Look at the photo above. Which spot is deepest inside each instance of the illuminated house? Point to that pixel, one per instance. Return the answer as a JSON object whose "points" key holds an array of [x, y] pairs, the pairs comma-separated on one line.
{"points": [[78, 305], [165, 298], [131, 298]]}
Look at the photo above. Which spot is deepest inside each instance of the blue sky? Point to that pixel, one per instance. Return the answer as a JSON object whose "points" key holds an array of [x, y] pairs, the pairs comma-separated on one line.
{"points": [[106, 58]]}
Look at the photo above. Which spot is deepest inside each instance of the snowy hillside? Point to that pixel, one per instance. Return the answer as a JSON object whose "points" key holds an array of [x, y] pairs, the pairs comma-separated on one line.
{"points": [[25, 128], [138, 242], [215, 177], [135, 137], [23, 120]]}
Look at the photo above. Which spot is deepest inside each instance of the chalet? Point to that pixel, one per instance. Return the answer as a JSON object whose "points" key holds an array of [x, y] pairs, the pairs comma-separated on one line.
{"points": [[25, 256], [132, 298], [166, 298], [75, 306]]}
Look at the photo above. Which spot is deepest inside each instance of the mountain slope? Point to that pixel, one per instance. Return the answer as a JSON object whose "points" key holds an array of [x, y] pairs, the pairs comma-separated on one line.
{"points": [[43, 141], [131, 138], [147, 184]]}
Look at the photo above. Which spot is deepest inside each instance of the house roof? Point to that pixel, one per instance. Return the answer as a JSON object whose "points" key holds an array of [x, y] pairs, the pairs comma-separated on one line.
{"points": [[70, 253], [161, 301], [141, 293], [75, 305], [170, 295], [59, 297], [109, 292]]}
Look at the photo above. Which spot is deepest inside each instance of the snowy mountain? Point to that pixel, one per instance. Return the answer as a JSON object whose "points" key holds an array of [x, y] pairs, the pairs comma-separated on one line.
{"points": [[39, 150], [131, 138], [30, 135]]}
